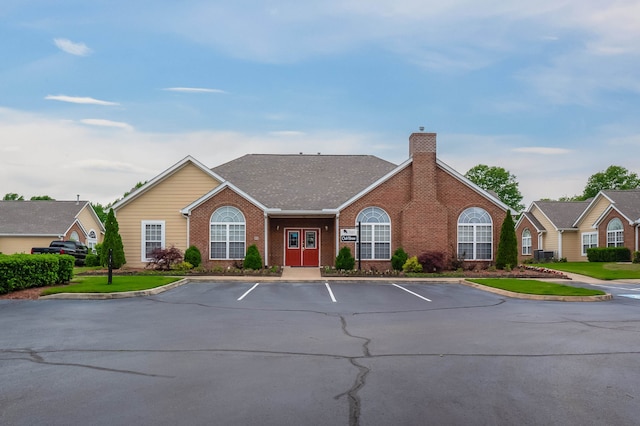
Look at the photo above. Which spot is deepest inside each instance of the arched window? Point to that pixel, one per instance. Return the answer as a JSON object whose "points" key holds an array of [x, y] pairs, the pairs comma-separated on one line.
{"points": [[375, 234], [475, 235], [74, 236], [92, 240], [615, 233], [227, 233], [526, 242]]}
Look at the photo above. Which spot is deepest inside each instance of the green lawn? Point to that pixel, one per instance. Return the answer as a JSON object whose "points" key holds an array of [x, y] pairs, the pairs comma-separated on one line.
{"points": [[119, 283], [535, 287], [600, 270]]}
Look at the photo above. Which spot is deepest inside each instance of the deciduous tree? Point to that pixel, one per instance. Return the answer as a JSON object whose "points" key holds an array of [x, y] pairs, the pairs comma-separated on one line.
{"points": [[12, 196], [614, 177], [498, 180]]}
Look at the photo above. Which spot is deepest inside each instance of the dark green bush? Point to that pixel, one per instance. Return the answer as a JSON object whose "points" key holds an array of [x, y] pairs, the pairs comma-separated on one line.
{"points": [[345, 261], [252, 259], [636, 257], [398, 259], [507, 256], [609, 254], [193, 256], [20, 271], [92, 260]]}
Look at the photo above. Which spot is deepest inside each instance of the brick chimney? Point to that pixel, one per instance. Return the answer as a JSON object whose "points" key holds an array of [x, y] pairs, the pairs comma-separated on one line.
{"points": [[422, 149]]}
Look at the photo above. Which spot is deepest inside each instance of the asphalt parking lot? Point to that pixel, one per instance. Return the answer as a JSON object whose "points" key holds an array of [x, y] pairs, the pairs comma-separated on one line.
{"points": [[320, 353]]}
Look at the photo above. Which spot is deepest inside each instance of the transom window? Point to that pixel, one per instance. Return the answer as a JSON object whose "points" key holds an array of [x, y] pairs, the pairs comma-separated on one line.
{"points": [[589, 240], [375, 238], [526, 242], [227, 233], [615, 233], [475, 234]]}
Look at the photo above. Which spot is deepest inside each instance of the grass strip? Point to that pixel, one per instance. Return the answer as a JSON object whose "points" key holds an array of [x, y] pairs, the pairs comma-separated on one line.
{"points": [[599, 270], [119, 284], [535, 287]]}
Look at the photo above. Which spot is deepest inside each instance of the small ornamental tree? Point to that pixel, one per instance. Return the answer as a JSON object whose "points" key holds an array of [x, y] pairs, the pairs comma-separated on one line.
{"points": [[508, 246], [112, 240], [252, 259], [398, 259], [193, 256], [432, 261], [164, 258], [344, 260]]}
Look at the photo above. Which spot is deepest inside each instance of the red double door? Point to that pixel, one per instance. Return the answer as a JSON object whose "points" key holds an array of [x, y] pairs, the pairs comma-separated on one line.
{"points": [[302, 247]]}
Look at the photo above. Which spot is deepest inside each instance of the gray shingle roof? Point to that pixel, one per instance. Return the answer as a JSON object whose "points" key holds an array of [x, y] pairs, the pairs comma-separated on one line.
{"points": [[562, 214], [303, 182], [37, 217], [627, 201], [534, 221]]}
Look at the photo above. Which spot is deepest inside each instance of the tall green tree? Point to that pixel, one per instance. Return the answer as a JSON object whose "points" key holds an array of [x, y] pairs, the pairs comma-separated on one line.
{"points": [[508, 245], [100, 211], [614, 177], [498, 180], [12, 196], [112, 240]]}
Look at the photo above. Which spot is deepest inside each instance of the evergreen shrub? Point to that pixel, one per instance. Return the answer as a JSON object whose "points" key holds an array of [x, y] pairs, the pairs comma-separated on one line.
{"points": [[507, 256], [412, 265], [92, 260], [398, 259], [193, 256], [252, 259], [609, 254], [21, 271], [636, 257], [345, 261]]}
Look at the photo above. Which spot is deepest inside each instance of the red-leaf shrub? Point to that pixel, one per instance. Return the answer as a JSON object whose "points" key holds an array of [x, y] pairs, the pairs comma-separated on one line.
{"points": [[433, 261], [164, 258]]}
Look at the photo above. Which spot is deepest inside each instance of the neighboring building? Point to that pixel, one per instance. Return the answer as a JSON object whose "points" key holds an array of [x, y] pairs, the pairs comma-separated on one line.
{"points": [[568, 229], [27, 224], [294, 208]]}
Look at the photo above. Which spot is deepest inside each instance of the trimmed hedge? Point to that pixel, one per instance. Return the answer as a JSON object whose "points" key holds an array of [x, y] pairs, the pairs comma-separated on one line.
{"points": [[609, 254], [20, 271]]}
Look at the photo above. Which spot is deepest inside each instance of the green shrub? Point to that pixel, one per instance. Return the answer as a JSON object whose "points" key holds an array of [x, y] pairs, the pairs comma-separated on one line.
{"points": [[412, 265], [92, 260], [193, 256], [398, 259], [252, 259], [508, 244], [345, 261], [609, 254], [182, 266], [20, 271], [636, 257]]}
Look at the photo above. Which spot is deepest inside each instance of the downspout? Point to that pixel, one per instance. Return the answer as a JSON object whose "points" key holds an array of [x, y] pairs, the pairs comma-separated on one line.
{"points": [[266, 239], [337, 235], [188, 216], [637, 226]]}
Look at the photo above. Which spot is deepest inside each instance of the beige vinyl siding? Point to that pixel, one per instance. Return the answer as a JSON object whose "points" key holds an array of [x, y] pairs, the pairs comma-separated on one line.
{"points": [[89, 222], [586, 224], [163, 202], [11, 245], [550, 238], [571, 246]]}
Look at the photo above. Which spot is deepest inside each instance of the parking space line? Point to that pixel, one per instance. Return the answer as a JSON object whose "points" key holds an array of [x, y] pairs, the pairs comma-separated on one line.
{"points": [[409, 291], [333, 299], [248, 291]]}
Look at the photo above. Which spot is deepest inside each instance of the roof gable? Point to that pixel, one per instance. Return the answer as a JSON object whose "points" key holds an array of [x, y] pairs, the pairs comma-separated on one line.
{"points": [[33, 218], [532, 220], [561, 214], [163, 176], [303, 182]]}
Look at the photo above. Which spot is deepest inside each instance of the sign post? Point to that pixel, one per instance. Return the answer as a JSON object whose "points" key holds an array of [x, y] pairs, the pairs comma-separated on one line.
{"points": [[359, 247]]}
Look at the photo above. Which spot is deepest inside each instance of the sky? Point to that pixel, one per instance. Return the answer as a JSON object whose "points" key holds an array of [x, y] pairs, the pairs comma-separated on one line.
{"points": [[98, 95]]}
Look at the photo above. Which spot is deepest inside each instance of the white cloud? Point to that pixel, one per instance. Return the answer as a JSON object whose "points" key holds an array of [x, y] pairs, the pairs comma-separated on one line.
{"points": [[106, 123], [193, 90], [78, 49], [541, 150], [287, 133], [79, 100]]}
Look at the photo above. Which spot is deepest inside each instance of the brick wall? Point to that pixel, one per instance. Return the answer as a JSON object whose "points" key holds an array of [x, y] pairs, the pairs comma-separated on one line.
{"points": [[199, 225], [526, 224], [628, 231]]}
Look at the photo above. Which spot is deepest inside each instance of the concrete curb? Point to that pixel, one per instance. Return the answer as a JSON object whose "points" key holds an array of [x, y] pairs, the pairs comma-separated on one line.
{"points": [[118, 295], [507, 293]]}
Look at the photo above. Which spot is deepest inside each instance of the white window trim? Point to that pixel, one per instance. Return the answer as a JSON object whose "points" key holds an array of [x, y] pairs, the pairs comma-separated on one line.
{"points": [[373, 240], [530, 246], [475, 243], [590, 234], [227, 241], [143, 237], [618, 242]]}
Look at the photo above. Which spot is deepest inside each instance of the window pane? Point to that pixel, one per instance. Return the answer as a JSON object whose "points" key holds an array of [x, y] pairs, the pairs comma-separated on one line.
{"points": [[483, 251], [149, 247], [366, 233], [218, 250], [465, 250], [366, 250], [383, 250], [218, 232], [236, 250]]}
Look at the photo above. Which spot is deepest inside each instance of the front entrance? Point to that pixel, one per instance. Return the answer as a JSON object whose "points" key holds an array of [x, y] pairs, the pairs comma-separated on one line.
{"points": [[302, 247]]}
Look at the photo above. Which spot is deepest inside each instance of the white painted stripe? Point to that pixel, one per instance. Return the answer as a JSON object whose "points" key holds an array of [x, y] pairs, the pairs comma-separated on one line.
{"points": [[415, 294], [248, 291], [333, 299]]}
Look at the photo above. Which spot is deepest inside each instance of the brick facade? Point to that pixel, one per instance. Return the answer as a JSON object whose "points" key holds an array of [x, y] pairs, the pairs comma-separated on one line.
{"points": [[628, 230], [526, 224], [423, 201]]}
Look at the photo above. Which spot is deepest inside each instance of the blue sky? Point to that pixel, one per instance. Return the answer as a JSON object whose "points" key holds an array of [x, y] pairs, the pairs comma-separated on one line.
{"points": [[98, 95]]}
